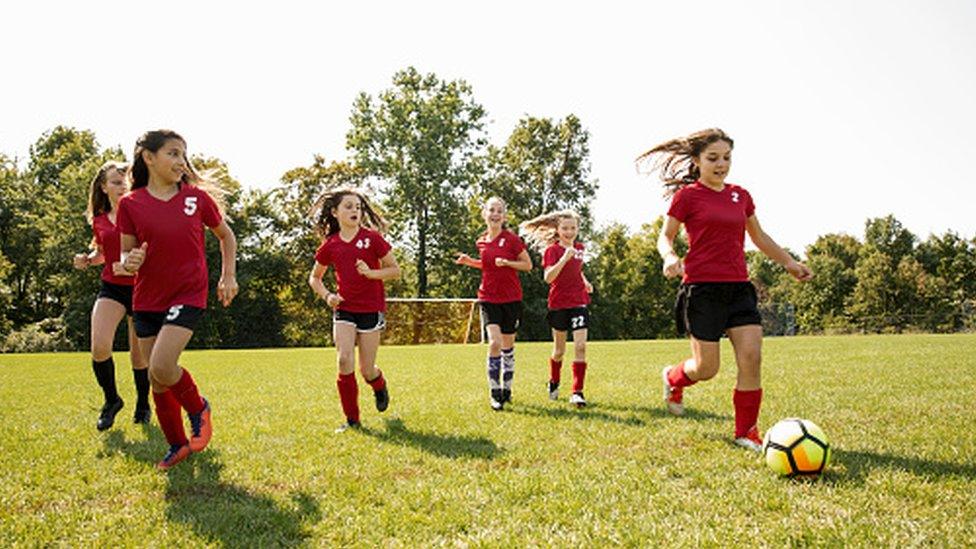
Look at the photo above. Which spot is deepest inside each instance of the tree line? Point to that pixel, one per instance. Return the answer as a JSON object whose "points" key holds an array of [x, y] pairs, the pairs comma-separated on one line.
{"points": [[419, 148]]}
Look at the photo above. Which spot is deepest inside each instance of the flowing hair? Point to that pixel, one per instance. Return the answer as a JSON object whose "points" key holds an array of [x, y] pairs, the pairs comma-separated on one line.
{"points": [[327, 224], [154, 140], [540, 232], [673, 159], [98, 201]]}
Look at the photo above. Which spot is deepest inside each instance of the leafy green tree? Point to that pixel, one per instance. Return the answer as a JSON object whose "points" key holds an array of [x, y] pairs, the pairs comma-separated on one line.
{"points": [[889, 237], [420, 138]]}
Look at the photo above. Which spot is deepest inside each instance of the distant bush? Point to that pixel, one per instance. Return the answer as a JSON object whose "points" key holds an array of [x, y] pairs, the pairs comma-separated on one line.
{"points": [[45, 336]]}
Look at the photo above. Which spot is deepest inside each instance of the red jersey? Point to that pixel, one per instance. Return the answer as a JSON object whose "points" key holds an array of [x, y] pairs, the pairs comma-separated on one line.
{"points": [[716, 224], [109, 240], [175, 269], [359, 294], [499, 284], [567, 290]]}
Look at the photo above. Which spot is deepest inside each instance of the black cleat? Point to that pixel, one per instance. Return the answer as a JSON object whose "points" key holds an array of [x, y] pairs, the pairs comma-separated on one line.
{"points": [[107, 418], [553, 391], [506, 395], [349, 424], [382, 399], [142, 415], [497, 400]]}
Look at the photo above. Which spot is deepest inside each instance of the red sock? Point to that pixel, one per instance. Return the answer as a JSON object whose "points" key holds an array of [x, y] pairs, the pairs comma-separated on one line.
{"points": [[170, 417], [554, 369], [349, 395], [378, 383], [185, 391], [678, 378], [579, 375], [746, 410]]}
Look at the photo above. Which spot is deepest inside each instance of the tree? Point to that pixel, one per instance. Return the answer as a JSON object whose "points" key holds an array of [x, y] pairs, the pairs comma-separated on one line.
{"points": [[420, 138]]}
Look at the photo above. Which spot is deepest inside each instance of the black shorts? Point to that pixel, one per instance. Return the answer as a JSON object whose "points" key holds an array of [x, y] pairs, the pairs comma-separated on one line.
{"points": [[149, 323], [707, 309], [364, 322], [577, 318], [117, 292], [506, 315]]}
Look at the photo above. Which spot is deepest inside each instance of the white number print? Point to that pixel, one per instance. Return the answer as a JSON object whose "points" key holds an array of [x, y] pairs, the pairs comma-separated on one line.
{"points": [[577, 322], [190, 205], [362, 243], [174, 312], [735, 196], [501, 243]]}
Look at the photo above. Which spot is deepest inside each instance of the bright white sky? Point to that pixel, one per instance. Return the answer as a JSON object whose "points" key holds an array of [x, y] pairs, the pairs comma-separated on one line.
{"points": [[840, 110]]}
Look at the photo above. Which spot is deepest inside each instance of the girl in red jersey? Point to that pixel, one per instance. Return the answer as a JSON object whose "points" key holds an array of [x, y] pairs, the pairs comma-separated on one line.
{"points": [[501, 253], [114, 299], [162, 224], [554, 235], [716, 295], [362, 260]]}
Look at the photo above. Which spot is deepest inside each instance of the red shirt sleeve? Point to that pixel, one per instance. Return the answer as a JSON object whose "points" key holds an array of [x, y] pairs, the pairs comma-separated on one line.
{"points": [[123, 219], [750, 205], [382, 246], [679, 206], [322, 255], [96, 233], [209, 212], [517, 244], [551, 256]]}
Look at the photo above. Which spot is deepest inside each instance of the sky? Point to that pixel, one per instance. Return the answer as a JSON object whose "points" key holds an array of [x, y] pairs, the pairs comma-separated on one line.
{"points": [[841, 111]]}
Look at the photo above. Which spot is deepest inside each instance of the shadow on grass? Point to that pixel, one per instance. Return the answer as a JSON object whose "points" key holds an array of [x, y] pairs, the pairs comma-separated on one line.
{"points": [[450, 446], [591, 412], [219, 511], [659, 412], [849, 466]]}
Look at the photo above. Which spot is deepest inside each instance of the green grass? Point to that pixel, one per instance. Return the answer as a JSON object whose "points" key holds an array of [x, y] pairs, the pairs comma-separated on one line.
{"points": [[440, 468]]}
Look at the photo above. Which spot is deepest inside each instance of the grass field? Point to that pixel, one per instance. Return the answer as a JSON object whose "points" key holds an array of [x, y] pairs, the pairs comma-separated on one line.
{"points": [[440, 468]]}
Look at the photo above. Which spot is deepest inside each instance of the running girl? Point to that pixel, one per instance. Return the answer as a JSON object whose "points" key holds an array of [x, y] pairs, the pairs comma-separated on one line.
{"points": [[716, 295], [362, 260], [114, 299], [162, 224], [569, 292], [501, 253]]}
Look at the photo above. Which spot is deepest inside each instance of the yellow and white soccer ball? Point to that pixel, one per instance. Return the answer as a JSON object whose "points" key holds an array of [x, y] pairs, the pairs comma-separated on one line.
{"points": [[796, 448]]}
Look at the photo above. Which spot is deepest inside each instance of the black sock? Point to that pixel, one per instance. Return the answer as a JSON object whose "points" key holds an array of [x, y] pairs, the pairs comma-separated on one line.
{"points": [[141, 378], [105, 374]]}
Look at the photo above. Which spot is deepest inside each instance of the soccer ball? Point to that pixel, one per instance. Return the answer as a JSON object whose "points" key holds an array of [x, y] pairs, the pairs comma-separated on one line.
{"points": [[796, 448]]}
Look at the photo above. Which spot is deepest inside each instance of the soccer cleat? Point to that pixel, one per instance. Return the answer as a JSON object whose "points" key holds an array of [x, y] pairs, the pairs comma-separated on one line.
{"points": [[176, 454], [497, 400], [349, 424], [506, 396], [142, 415], [578, 400], [201, 428], [382, 399], [107, 417], [553, 390], [672, 396], [751, 441]]}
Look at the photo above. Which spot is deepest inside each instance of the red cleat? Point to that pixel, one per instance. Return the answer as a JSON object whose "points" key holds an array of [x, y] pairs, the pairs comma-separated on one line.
{"points": [[176, 454], [752, 440], [672, 395], [201, 427]]}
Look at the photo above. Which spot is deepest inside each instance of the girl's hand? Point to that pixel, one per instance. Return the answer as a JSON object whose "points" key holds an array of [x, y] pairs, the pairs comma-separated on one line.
{"points": [[568, 254], [119, 270], [81, 261], [226, 289], [333, 300], [463, 259], [135, 258], [799, 271], [363, 268], [673, 266], [501, 262], [587, 286]]}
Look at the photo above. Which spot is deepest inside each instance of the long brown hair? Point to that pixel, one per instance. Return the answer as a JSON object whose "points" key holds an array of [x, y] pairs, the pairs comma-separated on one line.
{"points": [[542, 231], [327, 224], [98, 201], [673, 159], [154, 140]]}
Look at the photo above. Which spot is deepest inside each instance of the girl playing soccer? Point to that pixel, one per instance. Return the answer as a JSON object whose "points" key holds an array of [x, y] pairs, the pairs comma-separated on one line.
{"points": [[162, 224], [114, 299], [716, 296], [569, 291], [362, 260], [501, 253]]}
